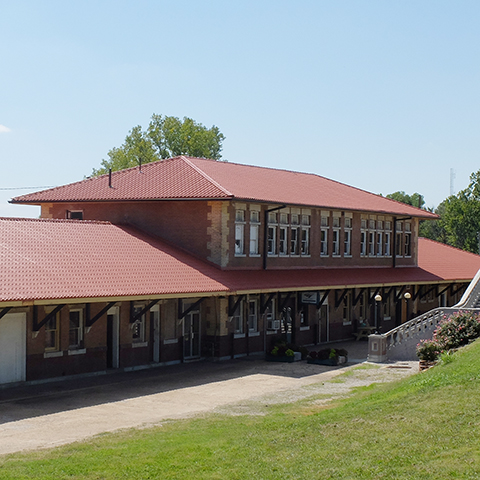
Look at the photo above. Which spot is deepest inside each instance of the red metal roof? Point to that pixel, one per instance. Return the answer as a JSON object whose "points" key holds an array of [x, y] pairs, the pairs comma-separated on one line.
{"points": [[43, 259], [195, 178], [68, 259]]}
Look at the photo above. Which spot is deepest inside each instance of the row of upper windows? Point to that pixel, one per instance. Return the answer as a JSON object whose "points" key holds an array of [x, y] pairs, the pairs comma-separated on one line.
{"points": [[293, 239]]}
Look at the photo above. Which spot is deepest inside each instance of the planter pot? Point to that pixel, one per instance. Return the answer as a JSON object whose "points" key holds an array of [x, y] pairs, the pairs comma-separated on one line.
{"points": [[332, 362], [277, 358]]}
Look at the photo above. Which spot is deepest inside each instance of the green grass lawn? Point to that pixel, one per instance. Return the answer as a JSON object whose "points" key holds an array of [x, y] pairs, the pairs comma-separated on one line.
{"points": [[424, 427]]}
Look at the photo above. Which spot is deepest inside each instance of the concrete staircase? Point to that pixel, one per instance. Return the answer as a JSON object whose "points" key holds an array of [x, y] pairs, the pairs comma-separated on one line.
{"points": [[401, 342]]}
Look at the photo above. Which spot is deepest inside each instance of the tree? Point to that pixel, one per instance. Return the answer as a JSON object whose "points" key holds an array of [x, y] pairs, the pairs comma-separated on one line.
{"points": [[461, 218], [415, 199], [434, 229], [165, 137]]}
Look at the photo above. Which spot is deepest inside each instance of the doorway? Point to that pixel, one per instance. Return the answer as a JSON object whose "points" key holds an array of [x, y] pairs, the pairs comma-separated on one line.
{"points": [[13, 348], [113, 337], [191, 335]]}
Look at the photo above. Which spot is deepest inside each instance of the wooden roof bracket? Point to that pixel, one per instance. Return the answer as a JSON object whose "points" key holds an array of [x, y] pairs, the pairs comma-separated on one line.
{"points": [[5, 311], [338, 300], [90, 321], [134, 318], [38, 325], [183, 314], [264, 305], [233, 306]]}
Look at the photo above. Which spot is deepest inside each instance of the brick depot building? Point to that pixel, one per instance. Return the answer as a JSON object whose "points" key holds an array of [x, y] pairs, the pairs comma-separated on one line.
{"points": [[190, 258]]}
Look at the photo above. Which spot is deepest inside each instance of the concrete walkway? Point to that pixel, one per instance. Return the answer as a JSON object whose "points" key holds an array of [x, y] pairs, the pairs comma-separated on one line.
{"points": [[53, 414]]}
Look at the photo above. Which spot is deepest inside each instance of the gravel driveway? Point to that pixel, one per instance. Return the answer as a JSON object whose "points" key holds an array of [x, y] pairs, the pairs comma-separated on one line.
{"points": [[54, 414]]}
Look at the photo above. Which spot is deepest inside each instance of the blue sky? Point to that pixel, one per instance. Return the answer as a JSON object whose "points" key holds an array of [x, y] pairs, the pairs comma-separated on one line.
{"points": [[382, 95]]}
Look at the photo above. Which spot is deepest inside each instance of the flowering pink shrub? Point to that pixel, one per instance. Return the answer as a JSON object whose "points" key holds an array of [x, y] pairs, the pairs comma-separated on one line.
{"points": [[452, 332]]}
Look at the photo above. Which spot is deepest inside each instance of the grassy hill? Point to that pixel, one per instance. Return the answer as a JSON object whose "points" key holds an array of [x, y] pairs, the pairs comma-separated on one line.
{"points": [[424, 427]]}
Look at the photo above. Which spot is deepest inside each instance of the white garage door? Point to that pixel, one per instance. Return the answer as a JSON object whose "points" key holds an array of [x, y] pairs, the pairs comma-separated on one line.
{"points": [[12, 348]]}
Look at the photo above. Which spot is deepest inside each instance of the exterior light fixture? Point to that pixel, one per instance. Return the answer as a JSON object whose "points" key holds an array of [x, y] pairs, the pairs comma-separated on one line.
{"points": [[407, 296], [378, 298]]}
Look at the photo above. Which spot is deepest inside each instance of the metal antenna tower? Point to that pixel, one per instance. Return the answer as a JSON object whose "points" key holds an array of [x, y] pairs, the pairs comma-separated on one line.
{"points": [[452, 178]]}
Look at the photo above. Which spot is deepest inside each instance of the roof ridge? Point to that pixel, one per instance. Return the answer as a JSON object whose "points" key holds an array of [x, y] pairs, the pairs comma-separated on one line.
{"points": [[204, 175], [56, 220]]}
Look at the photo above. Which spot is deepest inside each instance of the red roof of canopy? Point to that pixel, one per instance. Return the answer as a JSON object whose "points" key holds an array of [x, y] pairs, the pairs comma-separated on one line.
{"points": [[194, 178], [68, 259]]}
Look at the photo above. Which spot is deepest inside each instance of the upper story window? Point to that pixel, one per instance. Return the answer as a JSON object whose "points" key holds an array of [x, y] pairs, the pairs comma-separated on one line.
{"points": [[335, 243], [379, 244], [324, 242], [336, 222], [239, 232], [283, 241], [347, 236], [363, 243], [272, 240], [295, 220], [347, 243], [283, 218], [305, 241], [75, 214], [294, 250], [324, 220], [408, 244], [254, 231], [305, 235]]}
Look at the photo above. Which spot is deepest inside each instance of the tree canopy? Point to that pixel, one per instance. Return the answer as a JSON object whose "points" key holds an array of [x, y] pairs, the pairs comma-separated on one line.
{"points": [[415, 199], [165, 137], [459, 222], [461, 216]]}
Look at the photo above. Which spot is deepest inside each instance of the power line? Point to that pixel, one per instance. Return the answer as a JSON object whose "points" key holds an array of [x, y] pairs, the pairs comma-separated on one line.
{"points": [[26, 188]]}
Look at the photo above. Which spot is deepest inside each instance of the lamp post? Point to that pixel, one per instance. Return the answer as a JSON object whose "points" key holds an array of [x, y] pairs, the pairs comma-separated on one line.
{"points": [[407, 296], [378, 298]]}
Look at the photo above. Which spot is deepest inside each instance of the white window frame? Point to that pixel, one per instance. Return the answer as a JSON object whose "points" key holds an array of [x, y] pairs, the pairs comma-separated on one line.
{"points": [[253, 318], [324, 242], [56, 330], [347, 242], [407, 239], [305, 241], [254, 231], [240, 233], [239, 240], [336, 242], [237, 318], [363, 243], [272, 240], [283, 242], [388, 244], [294, 250], [79, 329], [379, 244], [371, 243]]}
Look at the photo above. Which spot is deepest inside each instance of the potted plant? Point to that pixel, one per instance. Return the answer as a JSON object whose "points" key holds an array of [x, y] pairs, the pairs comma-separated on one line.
{"points": [[328, 356]]}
